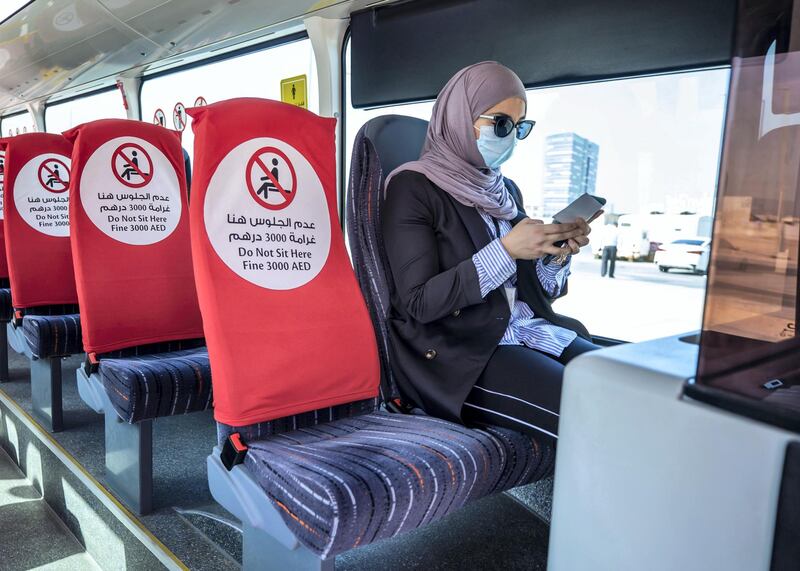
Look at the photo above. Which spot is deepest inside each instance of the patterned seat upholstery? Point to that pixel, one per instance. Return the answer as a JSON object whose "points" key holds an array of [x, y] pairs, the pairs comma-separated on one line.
{"points": [[354, 481], [295, 422], [50, 332], [148, 386]]}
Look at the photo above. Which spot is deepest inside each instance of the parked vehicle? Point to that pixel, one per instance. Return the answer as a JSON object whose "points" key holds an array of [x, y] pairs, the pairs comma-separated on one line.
{"points": [[685, 253]]}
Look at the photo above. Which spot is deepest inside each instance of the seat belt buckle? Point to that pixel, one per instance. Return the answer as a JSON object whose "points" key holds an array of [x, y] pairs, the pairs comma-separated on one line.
{"points": [[233, 451], [397, 406], [92, 364], [18, 315]]}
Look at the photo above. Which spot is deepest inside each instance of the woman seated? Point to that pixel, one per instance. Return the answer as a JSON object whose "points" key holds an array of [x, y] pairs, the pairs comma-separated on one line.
{"points": [[473, 336]]}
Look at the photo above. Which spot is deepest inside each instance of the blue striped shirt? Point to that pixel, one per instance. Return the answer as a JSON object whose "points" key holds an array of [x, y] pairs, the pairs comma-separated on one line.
{"points": [[496, 268]]}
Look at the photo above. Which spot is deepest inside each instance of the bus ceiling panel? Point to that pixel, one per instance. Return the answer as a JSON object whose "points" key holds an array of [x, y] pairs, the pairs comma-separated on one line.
{"points": [[97, 58], [547, 43], [54, 46], [55, 27], [184, 26]]}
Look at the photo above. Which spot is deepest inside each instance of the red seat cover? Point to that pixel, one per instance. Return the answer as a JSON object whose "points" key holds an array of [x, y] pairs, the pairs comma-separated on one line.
{"points": [[286, 326], [3, 262], [130, 235], [36, 219]]}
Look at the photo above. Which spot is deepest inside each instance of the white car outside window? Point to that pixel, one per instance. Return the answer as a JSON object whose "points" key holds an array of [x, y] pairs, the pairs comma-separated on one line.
{"points": [[685, 254]]}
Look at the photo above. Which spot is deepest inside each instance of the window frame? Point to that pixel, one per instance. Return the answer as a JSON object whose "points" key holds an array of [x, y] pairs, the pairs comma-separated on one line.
{"points": [[343, 93]]}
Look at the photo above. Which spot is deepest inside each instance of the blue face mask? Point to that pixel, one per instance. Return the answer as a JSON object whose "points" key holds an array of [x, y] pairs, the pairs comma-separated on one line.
{"points": [[495, 150]]}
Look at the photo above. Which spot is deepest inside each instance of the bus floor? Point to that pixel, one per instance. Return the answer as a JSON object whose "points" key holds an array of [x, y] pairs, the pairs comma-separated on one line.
{"points": [[33, 537], [504, 531]]}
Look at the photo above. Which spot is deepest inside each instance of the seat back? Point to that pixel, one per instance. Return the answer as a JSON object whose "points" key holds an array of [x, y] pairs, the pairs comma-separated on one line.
{"points": [[36, 220], [286, 326], [130, 236], [381, 145]]}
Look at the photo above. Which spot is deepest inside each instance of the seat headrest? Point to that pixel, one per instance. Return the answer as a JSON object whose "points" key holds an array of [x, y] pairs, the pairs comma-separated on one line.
{"points": [[286, 326], [130, 236], [397, 139], [36, 219]]}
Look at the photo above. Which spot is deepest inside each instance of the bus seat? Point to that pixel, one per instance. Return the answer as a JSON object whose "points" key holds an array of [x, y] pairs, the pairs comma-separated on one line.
{"points": [[357, 480], [382, 144], [52, 331], [46, 323], [142, 329], [319, 482], [144, 383]]}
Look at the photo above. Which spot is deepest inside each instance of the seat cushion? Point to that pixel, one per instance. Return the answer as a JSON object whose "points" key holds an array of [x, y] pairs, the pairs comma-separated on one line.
{"points": [[161, 384], [297, 421], [53, 335], [354, 481], [6, 309]]}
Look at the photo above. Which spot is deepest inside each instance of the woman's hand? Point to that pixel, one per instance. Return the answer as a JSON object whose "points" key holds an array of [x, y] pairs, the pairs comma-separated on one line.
{"points": [[574, 245], [531, 239]]}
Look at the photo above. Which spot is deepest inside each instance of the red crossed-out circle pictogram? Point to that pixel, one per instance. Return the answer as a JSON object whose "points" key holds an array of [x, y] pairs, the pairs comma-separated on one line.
{"points": [[54, 175], [200, 101], [159, 118], [132, 165], [179, 116], [262, 182]]}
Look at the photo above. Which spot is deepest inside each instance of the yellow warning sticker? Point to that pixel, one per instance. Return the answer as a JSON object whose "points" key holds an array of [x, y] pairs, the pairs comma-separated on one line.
{"points": [[294, 91]]}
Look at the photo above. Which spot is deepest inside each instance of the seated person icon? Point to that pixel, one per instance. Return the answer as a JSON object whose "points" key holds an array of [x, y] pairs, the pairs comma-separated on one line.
{"points": [[54, 177], [267, 185], [132, 168]]}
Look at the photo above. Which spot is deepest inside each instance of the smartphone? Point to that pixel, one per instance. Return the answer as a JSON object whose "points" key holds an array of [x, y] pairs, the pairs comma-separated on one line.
{"points": [[585, 206]]}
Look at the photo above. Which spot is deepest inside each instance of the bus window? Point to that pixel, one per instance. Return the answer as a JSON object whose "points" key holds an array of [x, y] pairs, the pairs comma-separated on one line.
{"points": [[17, 124], [355, 118], [59, 117], [650, 146], [256, 74]]}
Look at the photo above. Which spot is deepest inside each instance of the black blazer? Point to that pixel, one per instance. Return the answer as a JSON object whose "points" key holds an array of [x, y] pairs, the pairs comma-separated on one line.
{"points": [[441, 332]]}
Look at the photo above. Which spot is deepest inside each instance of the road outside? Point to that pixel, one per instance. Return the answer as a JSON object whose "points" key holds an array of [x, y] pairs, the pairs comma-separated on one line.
{"points": [[640, 303]]}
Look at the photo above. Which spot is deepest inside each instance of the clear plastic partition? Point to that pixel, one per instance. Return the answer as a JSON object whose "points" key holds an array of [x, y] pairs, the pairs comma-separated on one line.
{"points": [[750, 350]]}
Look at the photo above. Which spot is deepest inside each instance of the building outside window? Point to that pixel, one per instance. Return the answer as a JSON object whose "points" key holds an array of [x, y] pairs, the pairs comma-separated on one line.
{"points": [[570, 169]]}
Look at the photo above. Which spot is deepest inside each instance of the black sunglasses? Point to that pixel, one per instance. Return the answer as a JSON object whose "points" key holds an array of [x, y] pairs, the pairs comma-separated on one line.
{"points": [[504, 125]]}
